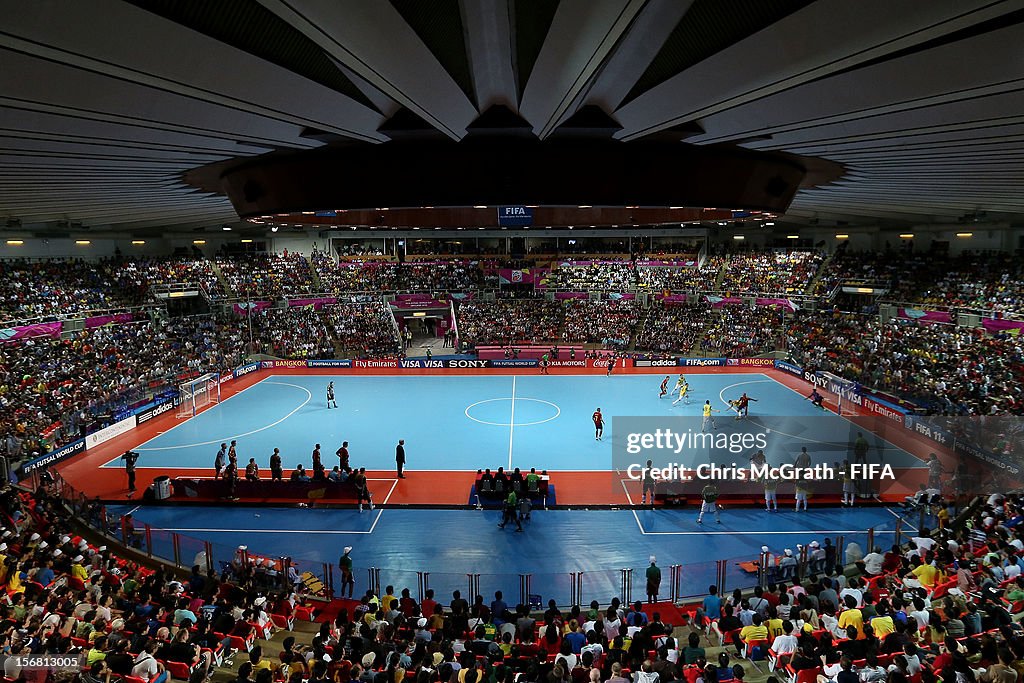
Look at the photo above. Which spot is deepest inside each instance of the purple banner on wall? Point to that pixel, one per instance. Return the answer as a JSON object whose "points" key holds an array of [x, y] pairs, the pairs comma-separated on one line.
{"points": [[317, 304], [101, 320], [672, 298], [1010, 326], [29, 331], [665, 264], [616, 296], [785, 303], [515, 276], [257, 306], [413, 297], [925, 316], [570, 295], [420, 303], [720, 301]]}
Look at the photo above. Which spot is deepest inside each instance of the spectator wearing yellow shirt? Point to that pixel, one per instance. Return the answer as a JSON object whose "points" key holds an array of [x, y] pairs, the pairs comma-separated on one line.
{"points": [[77, 570], [851, 616], [927, 574], [756, 631], [882, 623]]}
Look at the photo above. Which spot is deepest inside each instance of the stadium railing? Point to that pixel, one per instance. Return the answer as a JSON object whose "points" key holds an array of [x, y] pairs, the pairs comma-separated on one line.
{"points": [[681, 582]]}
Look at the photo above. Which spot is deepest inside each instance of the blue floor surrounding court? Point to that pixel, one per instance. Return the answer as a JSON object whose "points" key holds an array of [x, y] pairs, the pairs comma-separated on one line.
{"points": [[598, 543], [469, 422]]}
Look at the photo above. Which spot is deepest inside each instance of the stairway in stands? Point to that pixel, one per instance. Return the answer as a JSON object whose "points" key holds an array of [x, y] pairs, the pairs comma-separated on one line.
{"points": [[221, 279], [822, 269]]}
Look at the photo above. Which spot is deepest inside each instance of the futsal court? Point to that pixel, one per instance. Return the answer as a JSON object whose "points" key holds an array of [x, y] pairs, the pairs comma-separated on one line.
{"points": [[455, 424], [459, 423]]}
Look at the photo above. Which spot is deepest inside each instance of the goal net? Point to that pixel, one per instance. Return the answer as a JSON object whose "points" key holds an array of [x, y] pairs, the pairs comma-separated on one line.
{"points": [[198, 393]]}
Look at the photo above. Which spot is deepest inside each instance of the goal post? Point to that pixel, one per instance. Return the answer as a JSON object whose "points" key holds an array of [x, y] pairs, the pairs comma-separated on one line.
{"points": [[196, 394]]}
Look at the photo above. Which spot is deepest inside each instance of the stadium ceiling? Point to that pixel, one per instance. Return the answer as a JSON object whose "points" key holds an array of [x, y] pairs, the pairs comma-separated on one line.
{"points": [[135, 115]]}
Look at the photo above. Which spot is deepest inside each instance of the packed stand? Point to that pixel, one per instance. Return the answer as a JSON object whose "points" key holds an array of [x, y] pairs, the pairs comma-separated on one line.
{"points": [[139, 274], [30, 289], [672, 327], [449, 276], [604, 277], [609, 322], [955, 371], [986, 281], [682, 278], [771, 272], [266, 276], [371, 276], [741, 331], [53, 391], [368, 329], [508, 321], [296, 332]]}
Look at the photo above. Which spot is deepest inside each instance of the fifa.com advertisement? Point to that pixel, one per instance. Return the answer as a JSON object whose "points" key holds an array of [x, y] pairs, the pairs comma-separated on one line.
{"points": [[792, 456]]}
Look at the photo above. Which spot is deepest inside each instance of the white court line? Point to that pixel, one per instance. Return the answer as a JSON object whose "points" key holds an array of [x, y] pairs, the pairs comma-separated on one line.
{"points": [[275, 531], [757, 420], [512, 422], [841, 416], [631, 504], [904, 519], [380, 511], [183, 422], [309, 397]]}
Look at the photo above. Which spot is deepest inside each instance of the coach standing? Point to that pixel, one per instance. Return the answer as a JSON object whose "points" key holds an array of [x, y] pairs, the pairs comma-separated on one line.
{"points": [[400, 457]]}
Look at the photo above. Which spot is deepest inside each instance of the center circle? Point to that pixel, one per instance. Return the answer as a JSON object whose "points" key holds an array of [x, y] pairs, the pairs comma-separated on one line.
{"points": [[527, 411]]}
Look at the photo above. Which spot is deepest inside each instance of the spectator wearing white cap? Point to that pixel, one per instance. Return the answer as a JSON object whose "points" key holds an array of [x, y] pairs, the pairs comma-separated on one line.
{"points": [[787, 564]]}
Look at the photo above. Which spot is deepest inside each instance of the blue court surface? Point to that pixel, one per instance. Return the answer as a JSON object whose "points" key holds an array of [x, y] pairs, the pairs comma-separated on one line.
{"points": [[469, 422], [554, 543]]}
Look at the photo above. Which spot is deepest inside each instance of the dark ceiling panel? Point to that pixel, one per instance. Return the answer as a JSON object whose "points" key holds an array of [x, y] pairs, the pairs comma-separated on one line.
{"points": [[532, 20], [709, 27], [251, 27], [438, 23]]}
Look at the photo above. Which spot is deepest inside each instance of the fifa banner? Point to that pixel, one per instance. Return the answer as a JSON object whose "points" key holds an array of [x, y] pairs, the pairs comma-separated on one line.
{"points": [[254, 306], [524, 276], [996, 326], [341, 363], [10, 334], [843, 388], [784, 303], [927, 427], [52, 457], [702, 362], [925, 316], [720, 301], [316, 304], [789, 368], [246, 369], [102, 320]]}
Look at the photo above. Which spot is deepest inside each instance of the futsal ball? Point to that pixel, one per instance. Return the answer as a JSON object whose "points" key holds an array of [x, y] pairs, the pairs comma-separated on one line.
{"points": [[256, 515]]}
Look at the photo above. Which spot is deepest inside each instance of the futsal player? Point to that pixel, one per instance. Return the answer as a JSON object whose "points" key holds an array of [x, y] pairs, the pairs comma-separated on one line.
{"points": [[709, 496], [709, 419], [664, 387], [849, 485], [330, 395], [816, 398], [598, 419], [803, 487], [342, 454], [744, 405], [611, 365], [683, 389]]}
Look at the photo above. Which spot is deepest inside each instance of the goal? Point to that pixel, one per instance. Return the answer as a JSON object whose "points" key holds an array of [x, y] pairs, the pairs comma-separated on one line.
{"points": [[198, 393]]}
